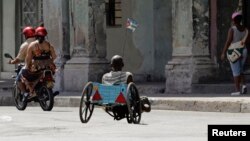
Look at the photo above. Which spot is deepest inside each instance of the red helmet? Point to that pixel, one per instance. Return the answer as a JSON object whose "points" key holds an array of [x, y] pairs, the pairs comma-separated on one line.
{"points": [[41, 31], [29, 32]]}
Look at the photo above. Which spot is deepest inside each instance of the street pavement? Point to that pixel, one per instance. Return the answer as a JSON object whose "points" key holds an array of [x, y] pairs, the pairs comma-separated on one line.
{"points": [[63, 124]]}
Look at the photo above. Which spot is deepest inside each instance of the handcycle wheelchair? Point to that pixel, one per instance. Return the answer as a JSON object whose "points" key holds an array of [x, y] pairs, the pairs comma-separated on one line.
{"points": [[116, 99]]}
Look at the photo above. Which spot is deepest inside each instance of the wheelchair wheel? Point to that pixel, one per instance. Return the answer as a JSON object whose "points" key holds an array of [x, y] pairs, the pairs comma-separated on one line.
{"points": [[86, 107], [46, 98], [17, 96], [134, 104]]}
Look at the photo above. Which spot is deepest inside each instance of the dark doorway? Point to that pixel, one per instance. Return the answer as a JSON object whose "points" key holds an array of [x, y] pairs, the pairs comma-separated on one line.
{"points": [[225, 8], [246, 14]]}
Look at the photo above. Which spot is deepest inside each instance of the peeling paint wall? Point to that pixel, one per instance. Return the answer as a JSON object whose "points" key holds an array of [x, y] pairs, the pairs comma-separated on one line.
{"points": [[53, 23], [182, 27], [146, 50], [78, 16], [97, 29], [201, 27]]}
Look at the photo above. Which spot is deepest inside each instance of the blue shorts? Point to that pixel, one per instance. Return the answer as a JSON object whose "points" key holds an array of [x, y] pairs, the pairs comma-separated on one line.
{"points": [[18, 77], [238, 66]]}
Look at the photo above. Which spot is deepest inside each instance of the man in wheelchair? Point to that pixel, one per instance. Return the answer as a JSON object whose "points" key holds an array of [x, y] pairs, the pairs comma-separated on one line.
{"points": [[115, 77]]}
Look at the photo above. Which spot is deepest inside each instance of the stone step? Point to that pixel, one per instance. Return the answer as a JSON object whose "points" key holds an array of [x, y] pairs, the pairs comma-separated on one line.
{"points": [[6, 84], [223, 88], [151, 88]]}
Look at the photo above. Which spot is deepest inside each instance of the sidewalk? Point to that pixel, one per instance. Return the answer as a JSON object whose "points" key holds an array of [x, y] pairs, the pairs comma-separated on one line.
{"points": [[187, 102], [160, 101]]}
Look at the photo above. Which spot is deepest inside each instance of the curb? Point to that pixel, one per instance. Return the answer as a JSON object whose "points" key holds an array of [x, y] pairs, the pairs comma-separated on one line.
{"points": [[229, 105], [202, 106]]}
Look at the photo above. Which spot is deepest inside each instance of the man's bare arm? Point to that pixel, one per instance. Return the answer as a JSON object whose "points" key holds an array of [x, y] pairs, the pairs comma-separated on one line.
{"points": [[14, 61], [19, 56]]}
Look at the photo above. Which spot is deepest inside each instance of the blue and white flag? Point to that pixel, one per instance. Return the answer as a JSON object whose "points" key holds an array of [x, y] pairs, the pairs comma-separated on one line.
{"points": [[131, 24]]}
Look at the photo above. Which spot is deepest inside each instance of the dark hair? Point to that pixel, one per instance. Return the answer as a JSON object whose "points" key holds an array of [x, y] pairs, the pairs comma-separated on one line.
{"points": [[238, 18], [117, 61]]}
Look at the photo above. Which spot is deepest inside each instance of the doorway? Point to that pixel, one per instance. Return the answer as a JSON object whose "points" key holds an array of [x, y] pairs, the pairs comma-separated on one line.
{"points": [[246, 19]]}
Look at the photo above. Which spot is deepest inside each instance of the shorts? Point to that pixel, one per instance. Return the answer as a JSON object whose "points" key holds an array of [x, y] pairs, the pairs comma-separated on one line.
{"points": [[238, 66], [31, 76], [18, 77]]}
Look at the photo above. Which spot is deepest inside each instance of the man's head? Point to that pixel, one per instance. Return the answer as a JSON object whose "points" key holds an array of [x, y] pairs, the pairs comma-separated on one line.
{"points": [[117, 63], [29, 32], [41, 32]]}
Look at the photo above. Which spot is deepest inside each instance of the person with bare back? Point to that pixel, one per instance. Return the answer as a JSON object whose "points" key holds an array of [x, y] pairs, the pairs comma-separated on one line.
{"points": [[40, 55]]}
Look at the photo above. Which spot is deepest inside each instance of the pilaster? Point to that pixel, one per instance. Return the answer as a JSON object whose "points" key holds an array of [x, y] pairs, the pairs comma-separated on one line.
{"points": [[191, 61]]}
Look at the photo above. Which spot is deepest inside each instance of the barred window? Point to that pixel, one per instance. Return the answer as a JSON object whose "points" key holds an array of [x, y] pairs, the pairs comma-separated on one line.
{"points": [[113, 13], [29, 13], [29, 9]]}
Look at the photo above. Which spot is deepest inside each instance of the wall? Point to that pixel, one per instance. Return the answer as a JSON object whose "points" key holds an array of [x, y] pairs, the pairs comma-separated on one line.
{"points": [[53, 23], [78, 26], [9, 34], [146, 50], [162, 36], [88, 44], [201, 17]]}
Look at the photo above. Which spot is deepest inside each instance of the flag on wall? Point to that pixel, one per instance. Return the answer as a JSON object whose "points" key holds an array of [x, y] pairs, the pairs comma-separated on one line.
{"points": [[131, 24]]}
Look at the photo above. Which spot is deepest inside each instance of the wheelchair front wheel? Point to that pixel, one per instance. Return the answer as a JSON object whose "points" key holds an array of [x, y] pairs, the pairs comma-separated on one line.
{"points": [[86, 107]]}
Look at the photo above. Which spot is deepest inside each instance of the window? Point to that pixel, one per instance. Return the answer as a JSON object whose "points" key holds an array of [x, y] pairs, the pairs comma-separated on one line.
{"points": [[29, 14], [29, 10], [113, 13]]}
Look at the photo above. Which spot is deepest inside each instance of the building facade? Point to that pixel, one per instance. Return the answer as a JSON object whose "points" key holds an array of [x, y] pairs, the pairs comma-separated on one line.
{"points": [[177, 42]]}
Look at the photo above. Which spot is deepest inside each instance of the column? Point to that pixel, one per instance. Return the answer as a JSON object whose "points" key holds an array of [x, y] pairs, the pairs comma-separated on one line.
{"points": [[191, 61], [56, 21], [8, 37], [88, 44]]}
